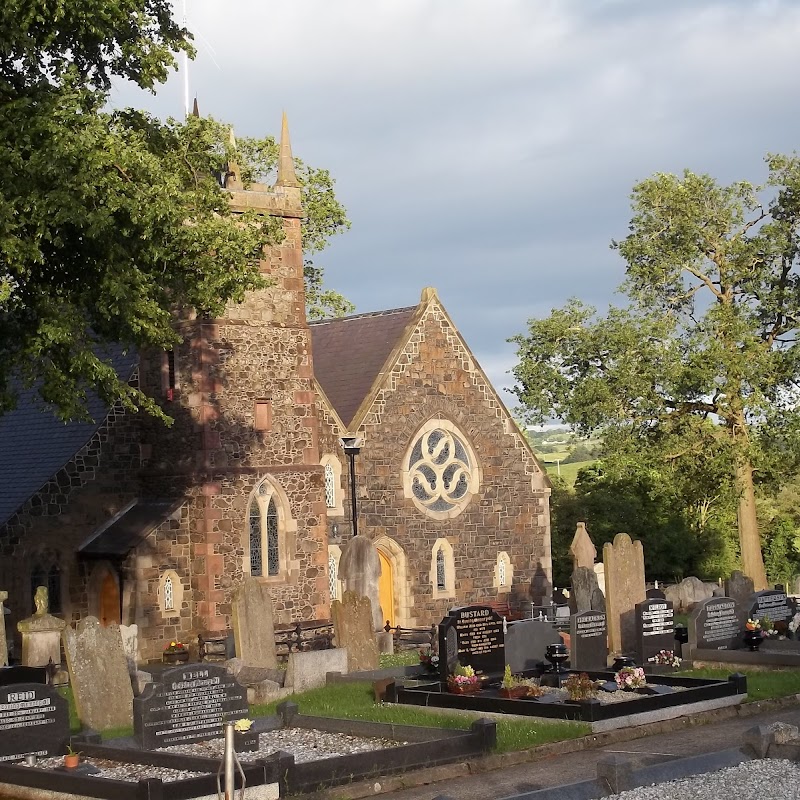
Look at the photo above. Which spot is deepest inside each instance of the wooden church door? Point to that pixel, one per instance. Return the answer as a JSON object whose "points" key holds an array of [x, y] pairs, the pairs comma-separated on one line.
{"points": [[109, 601], [386, 588]]}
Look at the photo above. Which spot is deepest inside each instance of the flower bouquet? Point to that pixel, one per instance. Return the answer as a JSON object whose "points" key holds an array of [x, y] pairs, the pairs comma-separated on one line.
{"points": [[463, 681], [429, 660], [665, 658], [630, 678], [244, 739]]}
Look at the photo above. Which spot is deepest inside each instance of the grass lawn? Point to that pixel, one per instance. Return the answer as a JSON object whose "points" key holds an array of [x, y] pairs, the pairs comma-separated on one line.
{"points": [[761, 685], [568, 471]]}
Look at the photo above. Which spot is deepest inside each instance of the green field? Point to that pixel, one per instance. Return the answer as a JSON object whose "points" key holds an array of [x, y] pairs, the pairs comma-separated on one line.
{"points": [[567, 471]]}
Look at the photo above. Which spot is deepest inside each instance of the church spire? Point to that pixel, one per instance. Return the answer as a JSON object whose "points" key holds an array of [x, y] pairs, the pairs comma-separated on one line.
{"points": [[286, 174]]}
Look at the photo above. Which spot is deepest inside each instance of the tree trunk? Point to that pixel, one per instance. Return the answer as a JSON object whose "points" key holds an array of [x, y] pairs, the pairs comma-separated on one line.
{"points": [[749, 539]]}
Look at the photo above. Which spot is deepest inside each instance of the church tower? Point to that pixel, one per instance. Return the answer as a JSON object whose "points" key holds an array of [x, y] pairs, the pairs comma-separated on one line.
{"points": [[244, 450]]}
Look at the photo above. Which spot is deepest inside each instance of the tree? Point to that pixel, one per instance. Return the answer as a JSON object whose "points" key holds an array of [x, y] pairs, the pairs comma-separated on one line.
{"points": [[110, 221], [701, 367]]}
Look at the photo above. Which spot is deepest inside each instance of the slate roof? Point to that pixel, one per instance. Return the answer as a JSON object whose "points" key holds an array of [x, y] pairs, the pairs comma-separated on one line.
{"points": [[350, 352], [35, 445]]}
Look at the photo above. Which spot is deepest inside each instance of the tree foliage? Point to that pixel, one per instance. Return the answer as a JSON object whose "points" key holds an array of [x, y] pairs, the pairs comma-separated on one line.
{"points": [[110, 221], [701, 367]]}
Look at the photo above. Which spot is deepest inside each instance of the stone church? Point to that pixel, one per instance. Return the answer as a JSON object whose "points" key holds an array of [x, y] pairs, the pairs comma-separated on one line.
{"points": [[128, 520]]}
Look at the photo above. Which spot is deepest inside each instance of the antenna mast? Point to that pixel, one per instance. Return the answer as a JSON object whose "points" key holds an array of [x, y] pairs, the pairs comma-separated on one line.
{"points": [[185, 71]]}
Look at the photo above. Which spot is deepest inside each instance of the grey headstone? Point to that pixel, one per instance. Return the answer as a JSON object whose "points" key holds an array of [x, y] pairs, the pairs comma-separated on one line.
{"points": [[770, 603], [188, 704], [624, 570], [715, 624], [582, 548], [588, 641], [739, 587], [98, 672], [353, 627], [584, 583], [41, 639], [360, 572], [474, 634], [33, 719], [685, 595], [598, 600], [526, 642], [309, 670], [130, 646], [253, 627], [655, 628]]}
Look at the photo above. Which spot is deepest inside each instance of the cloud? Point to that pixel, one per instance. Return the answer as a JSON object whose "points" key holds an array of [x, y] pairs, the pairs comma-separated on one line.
{"points": [[489, 149]]}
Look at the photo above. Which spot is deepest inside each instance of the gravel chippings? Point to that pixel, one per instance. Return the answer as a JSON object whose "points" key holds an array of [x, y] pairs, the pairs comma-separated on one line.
{"points": [[763, 779], [304, 744]]}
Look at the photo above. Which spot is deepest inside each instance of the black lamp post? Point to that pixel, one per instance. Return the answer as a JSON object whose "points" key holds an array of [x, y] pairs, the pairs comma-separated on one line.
{"points": [[352, 447]]}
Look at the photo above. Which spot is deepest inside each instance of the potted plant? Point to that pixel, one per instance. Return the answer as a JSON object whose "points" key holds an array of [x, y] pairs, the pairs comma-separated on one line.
{"points": [[245, 740], [463, 680], [175, 653], [512, 686], [630, 678], [579, 687], [72, 758]]}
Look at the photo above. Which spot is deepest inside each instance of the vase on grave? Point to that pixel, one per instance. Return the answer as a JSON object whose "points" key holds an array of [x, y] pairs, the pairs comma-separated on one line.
{"points": [[753, 639], [245, 741]]}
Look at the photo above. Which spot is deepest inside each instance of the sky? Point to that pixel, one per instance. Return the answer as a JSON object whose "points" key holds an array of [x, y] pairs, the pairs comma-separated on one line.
{"points": [[488, 149]]}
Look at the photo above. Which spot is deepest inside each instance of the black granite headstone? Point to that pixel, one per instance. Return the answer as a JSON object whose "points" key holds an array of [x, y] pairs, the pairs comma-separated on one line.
{"points": [[187, 704], [33, 719], [473, 636], [772, 604], [588, 641], [655, 628], [714, 625]]}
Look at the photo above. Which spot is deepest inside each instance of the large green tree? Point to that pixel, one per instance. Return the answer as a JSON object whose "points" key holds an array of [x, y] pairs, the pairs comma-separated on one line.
{"points": [[701, 367], [109, 221]]}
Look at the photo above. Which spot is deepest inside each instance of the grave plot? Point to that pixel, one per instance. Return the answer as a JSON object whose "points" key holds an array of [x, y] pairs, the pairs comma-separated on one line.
{"points": [[664, 697]]}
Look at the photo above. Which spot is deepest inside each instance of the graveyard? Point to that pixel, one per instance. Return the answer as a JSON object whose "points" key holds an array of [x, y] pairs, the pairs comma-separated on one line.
{"points": [[620, 662]]}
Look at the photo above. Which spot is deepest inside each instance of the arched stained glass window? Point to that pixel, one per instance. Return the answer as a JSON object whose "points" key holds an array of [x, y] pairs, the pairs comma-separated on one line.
{"points": [[501, 572], [256, 568], [169, 594], [441, 576], [330, 487], [332, 576], [273, 544]]}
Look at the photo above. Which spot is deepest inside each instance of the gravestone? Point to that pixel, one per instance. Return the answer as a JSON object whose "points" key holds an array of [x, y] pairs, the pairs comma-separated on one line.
{"points": [[588, 641], [584, 584], [130, 646], [3, 640], [526, 642], [41, 634], [353, 628], [98, 672], [253, 628], [739, 587], [715, 624], [360, 572], [655, 594], [187, 704], [689, 592], [472, 636], [33, 719], [583, 550], [770, 603], [624, 571], [655, 628], [600, 571]]}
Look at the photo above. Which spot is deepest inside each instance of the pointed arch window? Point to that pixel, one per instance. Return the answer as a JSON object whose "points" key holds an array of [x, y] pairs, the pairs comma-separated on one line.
{"points": [[330, 486], [333, 570], [270, 532], [169, 594], [441, 575]]}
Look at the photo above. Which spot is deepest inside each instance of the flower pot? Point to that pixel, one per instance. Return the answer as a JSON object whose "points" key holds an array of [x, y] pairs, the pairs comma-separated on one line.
{"points": [[245, 741], [71, 760], [753, 640], [514, 692], [175, 657], [463, 688]]}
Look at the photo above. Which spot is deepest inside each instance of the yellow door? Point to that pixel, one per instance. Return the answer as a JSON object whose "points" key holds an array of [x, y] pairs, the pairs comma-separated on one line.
{"points": [[386, 589]]}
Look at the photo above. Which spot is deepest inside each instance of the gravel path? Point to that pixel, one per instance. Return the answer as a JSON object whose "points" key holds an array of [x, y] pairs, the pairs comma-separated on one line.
{"points": [[770, 779]]}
